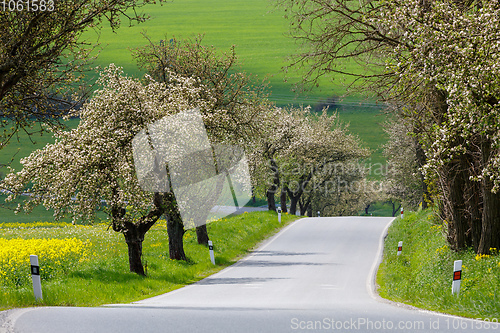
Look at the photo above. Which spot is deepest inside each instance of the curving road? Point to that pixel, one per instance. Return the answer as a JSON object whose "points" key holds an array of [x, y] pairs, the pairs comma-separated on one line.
{"points": [[315, 275]]}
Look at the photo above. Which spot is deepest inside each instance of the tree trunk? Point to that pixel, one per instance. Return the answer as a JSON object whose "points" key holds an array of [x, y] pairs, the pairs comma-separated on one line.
{"points": [[394, 209], [293, 205], [455, 207], [473, 201], [475, 208], [271, 203], [175, 229], [134, 242], [421, 160], [202, 234], [304, 206], [295, 195], [490, 232], [283, 199], [134, 232], [368, 207]]}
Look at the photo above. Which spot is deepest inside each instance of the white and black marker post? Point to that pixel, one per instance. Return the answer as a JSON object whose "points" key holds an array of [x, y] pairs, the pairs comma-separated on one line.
{"points": [[211, 250], [318, 214], [35, 275], [279, 214], [457, 277], [400, 247], [402, 215]]}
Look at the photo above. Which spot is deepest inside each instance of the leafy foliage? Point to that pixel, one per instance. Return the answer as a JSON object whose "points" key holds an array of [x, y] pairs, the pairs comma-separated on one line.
{"points": [[42, 58]]}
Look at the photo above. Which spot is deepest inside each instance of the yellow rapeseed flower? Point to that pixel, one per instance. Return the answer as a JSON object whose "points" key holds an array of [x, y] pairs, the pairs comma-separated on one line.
{"points": [[482, 256], [53, 254]]}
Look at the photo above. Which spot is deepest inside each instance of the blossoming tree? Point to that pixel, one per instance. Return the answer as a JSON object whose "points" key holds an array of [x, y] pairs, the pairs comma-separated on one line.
{"points": [[94, 162], [232, 92], [303, 153]]}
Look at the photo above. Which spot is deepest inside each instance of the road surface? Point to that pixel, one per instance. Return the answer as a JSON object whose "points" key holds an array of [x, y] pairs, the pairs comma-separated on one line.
{"points": [[316, 275]]}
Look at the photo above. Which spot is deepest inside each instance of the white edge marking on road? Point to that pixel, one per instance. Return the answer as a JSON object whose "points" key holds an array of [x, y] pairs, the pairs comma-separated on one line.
{"points": [[261, 246], [372, 276]]}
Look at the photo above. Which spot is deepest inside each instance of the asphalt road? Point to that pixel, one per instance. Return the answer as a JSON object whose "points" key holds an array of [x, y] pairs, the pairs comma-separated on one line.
{"points": [[316, 275]]}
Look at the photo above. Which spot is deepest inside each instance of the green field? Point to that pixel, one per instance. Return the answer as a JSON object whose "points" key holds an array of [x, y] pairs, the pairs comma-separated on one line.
{"points": [[256, 28], [21, 146], [258, 31], [365, 120]]}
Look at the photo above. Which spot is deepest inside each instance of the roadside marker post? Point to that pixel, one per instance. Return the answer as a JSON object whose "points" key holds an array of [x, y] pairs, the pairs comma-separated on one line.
{"points": [[402, 215], [400, 247], [318, 214], [457, 277], [279, 214], [211, 250], [35, 276]]}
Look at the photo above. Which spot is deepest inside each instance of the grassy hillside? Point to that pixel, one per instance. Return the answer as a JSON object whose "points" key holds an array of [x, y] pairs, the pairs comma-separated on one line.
{"points": [[22, 145], [256, 28]]}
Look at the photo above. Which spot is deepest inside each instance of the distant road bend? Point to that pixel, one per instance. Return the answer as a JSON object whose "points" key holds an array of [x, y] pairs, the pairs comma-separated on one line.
{"points": [[316, 275]]}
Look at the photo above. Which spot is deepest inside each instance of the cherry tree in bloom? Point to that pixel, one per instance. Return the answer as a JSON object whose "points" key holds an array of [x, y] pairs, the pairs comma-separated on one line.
{"points": [[448, 54], [302, 154], [94, 162]]}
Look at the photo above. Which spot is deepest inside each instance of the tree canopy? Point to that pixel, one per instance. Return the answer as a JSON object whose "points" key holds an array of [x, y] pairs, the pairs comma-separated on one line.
{"points": [[43, 57], [305, 157]]}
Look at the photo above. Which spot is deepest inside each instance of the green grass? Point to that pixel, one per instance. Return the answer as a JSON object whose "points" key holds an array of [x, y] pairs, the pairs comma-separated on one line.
{"points": [[39, 213], [104, 277], [422, 274], [366, 121], [257, 29], [378, 209], [258, 202]]}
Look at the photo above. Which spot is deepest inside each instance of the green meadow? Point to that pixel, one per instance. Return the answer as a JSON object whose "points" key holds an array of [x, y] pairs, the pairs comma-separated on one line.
{"points": [[423, 273], [257, 29], [90, 267], [22, 145]]}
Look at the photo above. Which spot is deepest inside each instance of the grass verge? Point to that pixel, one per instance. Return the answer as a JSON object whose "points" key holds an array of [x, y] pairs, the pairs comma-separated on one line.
{"points": [[421, 276], [97, 273]]}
